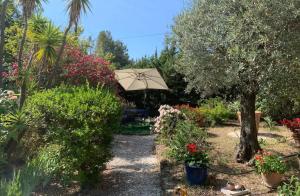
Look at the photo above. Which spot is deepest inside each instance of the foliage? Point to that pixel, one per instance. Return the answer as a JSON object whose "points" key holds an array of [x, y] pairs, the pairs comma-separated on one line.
{"points": [[270, 123], [268, 163], [215, 111], [291, 188], [234, 107], [82, 121], [247, 47], [37, 171], [167, 120], [7, 102], [81, 68], [185, 132], [250, 45], [293, 125], [113, 50], [195, 156], [136, 128], [192, 114], [47, 40]]}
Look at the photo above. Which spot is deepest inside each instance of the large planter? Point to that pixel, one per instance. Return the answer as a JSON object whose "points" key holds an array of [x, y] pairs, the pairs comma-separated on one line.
{"points": [[196, 175], [272, 180], [257, 118]]}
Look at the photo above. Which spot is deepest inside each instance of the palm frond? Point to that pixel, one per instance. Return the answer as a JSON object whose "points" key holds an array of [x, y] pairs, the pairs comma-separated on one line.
{"points": [[76, 8]]}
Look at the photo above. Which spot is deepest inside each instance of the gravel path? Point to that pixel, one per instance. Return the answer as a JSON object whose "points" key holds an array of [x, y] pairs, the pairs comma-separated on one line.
{"points": [[134, 171]]}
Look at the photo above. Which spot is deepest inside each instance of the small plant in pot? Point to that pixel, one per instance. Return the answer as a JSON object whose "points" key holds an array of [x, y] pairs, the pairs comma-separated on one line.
{"points": [[196, 162], [271, 167]]}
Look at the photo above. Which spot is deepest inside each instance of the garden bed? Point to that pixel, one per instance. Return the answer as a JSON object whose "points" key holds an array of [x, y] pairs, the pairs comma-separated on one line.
{"points": [[223, 144]]}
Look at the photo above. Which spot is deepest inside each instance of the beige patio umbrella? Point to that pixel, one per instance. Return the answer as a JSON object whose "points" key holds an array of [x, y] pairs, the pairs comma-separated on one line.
{"points": [[140, 79]]}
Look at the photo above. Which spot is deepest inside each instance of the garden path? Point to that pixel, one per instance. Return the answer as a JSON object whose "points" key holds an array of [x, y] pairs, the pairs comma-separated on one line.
{"points": [[134, 170]]}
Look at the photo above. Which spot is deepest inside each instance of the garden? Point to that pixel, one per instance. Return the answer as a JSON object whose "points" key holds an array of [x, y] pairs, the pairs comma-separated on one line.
{"points": [[216, 112]]}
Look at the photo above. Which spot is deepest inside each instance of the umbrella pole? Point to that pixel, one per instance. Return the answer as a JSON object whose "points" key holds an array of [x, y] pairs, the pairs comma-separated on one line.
{"points": [[145, 98]]}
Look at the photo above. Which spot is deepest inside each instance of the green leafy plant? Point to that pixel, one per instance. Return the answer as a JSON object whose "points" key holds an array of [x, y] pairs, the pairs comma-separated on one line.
{"points": [[192, 114], [214, 111], [270, 124], [195, 156], [185, 132], [81, 120], [269, 163], [262, 142], [291, 188]]}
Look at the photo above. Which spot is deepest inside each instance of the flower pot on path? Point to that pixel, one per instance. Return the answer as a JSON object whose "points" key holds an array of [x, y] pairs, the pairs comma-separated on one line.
{"points": [[272, 180], [257, 118], [196, 175]]}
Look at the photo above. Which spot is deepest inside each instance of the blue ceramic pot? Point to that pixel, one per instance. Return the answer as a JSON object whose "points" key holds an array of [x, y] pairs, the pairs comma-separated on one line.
{"points": [[196, 175]]}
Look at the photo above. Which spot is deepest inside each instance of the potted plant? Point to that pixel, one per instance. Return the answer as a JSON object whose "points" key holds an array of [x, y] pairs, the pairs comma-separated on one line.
{"points": [[271, 167], [196, 162], [294, 126]]}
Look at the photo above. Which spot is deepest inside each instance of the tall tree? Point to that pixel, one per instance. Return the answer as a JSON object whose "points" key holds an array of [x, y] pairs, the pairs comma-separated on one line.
{"points": [[107, 46], [75, 9], [3, 7], [243, 43], [28, 7]]}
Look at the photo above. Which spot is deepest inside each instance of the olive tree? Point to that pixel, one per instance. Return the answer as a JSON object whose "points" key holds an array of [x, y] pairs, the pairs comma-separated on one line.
{"points": [[253, 45]]}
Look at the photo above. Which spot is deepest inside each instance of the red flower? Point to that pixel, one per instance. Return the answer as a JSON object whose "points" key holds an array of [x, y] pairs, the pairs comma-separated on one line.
{"points": [[192, 148]]}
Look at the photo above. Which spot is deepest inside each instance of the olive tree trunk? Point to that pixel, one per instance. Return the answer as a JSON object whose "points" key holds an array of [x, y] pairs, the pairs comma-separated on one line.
{"points": [[248, 140]]}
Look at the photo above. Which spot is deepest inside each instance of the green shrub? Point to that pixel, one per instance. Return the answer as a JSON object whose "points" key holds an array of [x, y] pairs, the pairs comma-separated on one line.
{"points": [[192, 114], [82, 121], [185, 132], [12, 129], [37, 171], [215, 111], [291, 188]]}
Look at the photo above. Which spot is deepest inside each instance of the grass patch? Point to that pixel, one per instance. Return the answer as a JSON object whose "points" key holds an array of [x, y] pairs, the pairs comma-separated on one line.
{"points": [[138, 128]]}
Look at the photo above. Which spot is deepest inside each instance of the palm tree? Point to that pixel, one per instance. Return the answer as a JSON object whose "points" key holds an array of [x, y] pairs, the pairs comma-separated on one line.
{"points": [[47, 41], [28, 7], [3, 6], [75, 9]]}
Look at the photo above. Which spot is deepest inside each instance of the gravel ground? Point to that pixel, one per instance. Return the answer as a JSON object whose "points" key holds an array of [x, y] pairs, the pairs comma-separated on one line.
{"points": [[134, 170]]}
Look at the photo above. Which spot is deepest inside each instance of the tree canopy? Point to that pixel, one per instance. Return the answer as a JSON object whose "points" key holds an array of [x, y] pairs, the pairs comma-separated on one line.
{"points": [[246, 43], [251, 45], [113, 50]]}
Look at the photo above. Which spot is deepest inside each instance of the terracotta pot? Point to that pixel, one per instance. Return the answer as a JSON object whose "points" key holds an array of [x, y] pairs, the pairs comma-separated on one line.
{"points": [[272, 180], [257, 118]]}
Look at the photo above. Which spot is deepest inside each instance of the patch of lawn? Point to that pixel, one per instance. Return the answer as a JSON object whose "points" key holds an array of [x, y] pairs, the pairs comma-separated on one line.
{"points": [[138, 128]]}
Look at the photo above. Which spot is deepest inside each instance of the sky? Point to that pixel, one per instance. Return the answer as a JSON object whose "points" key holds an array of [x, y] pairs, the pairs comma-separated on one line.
{"points": [[140, 24]]}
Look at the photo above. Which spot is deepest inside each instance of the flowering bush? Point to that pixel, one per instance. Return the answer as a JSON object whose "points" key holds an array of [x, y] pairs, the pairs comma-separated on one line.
{"points": [[265, 162], [196, 157], [80, 68], [192, 114], [293, 125], [166, 121]]}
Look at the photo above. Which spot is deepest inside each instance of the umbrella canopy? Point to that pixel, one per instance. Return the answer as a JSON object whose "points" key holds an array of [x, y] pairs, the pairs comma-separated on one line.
{"points": [[140, 79]]}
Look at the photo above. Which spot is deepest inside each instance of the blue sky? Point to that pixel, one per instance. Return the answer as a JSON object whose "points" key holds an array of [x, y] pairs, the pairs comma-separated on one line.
{"points": [[140, 24]]}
